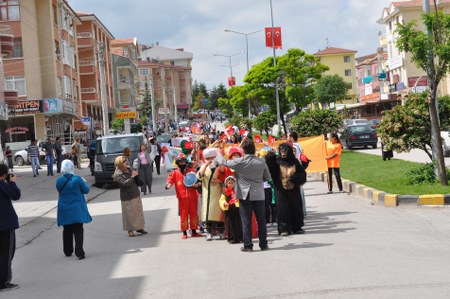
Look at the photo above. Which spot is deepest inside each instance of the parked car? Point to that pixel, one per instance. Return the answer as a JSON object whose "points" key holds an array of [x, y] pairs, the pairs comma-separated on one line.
{"points": [[374, 123], [355, 121], [21, 157], [359, 135]]}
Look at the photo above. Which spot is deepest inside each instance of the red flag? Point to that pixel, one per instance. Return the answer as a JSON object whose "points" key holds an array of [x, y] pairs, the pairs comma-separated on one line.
{"points": [[189, 145], [257, 138], [276, 37], [241, 132], [230, 131], [231, 81], [271, 140]]}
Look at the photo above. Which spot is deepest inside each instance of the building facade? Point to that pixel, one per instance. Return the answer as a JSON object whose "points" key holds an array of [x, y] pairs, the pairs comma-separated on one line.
{"points": [[43, 68], [167, 73], [342, 63], [94, 52]]}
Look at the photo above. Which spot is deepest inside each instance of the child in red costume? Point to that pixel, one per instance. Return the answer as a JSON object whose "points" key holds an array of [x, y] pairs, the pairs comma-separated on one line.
{"points": [[230, 205], [187, 197]]}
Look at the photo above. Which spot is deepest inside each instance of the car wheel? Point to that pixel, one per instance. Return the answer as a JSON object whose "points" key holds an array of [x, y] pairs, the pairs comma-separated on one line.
{"points": [[20, 161], [365, 146], [348, 146], [375, 145]]}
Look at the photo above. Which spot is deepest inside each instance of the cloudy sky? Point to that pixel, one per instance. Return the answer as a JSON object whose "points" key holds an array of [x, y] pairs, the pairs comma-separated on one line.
{"points": [[198, 27]]}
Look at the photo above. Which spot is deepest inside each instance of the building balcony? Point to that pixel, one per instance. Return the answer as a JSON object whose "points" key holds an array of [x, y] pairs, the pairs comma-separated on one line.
{"points": [[89, 95], [6, 39], [85, 40], [11, 98], [87, 66], [124, 84]]}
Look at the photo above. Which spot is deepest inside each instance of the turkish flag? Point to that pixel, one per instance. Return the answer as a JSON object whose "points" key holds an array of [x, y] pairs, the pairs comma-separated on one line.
{"points": [[271, 140], [231, 81], [229, 130], [276, 37], [241, 132], [257, 138], [189, 145]]}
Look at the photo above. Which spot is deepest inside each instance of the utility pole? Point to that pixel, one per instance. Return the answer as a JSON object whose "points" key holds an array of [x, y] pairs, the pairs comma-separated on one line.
{"points": [[436, 142], [152, 95], [277, 96], [101, 58]]}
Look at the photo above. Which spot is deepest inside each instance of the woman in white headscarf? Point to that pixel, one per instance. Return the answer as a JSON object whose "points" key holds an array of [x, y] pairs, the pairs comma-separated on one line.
{"points": [[72, 208]]}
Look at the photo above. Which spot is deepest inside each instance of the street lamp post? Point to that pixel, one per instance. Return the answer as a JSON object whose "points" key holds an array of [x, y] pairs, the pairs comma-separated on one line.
{"points": [[277, 97], [229, 61], [246, 51]]}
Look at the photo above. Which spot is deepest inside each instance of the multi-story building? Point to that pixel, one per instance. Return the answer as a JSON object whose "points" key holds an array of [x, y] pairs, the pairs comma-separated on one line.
{"points": [[342, 63], [404, 76], [93, 38], [42, 68], [125, 53], [168, 74]]}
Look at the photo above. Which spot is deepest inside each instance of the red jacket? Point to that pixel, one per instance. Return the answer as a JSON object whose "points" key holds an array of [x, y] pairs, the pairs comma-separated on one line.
{"points": [[183, 192]]}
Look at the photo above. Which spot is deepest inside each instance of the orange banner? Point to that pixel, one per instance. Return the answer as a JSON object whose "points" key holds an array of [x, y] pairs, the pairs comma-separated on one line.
{"points": [[313, 148]]}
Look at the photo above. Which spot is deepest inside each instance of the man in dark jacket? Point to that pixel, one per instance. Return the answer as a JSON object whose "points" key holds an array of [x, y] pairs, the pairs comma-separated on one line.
{"points": [[58, 152], [9, 222]]}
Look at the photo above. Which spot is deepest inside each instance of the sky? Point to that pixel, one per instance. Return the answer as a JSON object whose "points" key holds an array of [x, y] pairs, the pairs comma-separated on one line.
{"points": [[198, 26]]}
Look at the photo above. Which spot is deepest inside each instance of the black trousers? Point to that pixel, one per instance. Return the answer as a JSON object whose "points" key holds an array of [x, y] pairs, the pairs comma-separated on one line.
{"points": [[271, 209], [7, 250], [158, 164], [245, 209], [71, 232], [337, 174]]}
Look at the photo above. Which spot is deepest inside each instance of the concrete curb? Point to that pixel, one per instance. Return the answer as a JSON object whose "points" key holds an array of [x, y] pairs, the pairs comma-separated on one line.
{"points": [[386, 199]]}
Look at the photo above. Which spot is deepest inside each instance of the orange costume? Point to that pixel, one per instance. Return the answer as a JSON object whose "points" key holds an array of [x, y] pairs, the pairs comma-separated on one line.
{"points": [[187, 199], [334, 164]]}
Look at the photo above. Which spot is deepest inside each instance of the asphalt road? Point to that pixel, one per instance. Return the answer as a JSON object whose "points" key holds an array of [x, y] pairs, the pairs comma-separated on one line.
{"points": [[351, 249]]}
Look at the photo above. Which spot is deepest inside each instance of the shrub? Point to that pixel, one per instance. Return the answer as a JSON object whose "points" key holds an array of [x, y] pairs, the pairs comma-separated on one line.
{"points": [[423, 174]]}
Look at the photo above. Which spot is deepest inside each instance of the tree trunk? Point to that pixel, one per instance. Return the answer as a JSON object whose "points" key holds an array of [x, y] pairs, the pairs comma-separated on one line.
{"points": [[436, 136], [283, 122]]}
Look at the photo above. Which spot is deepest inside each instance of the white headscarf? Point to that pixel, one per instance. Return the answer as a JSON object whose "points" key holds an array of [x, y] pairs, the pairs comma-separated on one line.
{"points": [[67, 167]]}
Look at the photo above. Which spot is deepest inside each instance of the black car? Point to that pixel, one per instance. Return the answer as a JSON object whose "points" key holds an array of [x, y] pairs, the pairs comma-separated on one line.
{"points": [[359, 135]]}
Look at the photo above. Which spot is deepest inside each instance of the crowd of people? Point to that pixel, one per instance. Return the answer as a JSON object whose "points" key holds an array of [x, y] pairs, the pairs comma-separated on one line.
{"points": [[226, 189]]}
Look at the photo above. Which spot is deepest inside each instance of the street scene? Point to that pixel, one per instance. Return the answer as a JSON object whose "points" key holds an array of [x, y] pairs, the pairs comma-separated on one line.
{"points": [[204, 149], [351, 249]]}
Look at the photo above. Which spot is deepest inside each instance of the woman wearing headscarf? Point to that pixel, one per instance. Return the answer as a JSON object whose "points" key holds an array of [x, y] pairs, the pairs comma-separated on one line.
{"points": [[132, 210], [72, 208]]}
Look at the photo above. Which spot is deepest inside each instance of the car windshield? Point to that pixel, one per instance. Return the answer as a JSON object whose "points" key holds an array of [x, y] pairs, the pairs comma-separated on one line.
{"points": [[117, 144], [359, 129]]}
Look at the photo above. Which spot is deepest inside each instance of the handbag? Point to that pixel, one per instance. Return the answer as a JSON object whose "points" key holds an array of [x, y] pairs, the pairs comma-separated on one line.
{"points": [[138, 181]]}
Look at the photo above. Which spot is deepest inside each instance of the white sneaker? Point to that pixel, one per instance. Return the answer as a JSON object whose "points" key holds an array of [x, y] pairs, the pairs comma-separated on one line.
{"points": [[208, 237], [221, 236]]}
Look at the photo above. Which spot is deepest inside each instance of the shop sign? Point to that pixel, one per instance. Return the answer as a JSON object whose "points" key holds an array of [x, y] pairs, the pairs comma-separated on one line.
{"points": [[67, 107], [125, 115], [28, 106], [417, 81], [368, 89], [16, 130], [51, 106], [400, 86]]}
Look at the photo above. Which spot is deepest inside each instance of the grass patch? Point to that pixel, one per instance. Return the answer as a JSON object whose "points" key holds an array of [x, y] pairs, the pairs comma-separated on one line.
{"points": [[388, 176]]}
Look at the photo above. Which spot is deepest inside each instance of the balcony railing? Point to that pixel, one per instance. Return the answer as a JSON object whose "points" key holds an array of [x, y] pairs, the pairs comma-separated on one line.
{"points": [[84, 35], [88, 90]]}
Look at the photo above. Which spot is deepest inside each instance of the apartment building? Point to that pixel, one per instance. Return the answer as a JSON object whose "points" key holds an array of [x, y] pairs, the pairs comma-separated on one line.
{"points": [[125, 53], [403, 75], [43, 68], [168, 74], [94, 48], [342, 63], [8, 98]]}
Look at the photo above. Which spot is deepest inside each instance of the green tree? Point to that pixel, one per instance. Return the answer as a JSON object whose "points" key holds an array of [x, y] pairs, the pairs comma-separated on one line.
{"points": [[264, 122], [225, 105], [145, 107], [296, 72], [214, 96], [316, 122], [430, 51], [118, 125], [330, 89], [408, 127]]}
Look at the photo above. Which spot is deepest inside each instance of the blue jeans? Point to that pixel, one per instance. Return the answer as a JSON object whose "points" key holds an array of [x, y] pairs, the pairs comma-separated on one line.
{"points": [[50, 160], [35, 165], [245, 210]]}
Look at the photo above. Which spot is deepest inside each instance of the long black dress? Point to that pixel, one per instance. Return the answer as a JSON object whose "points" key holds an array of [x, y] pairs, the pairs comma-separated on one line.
{"points": [[233, 223], [287, 175]]}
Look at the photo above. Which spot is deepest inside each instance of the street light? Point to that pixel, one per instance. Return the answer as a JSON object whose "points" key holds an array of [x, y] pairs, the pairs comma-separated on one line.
{"points": [[246, 51], [277, 97], [229, 60]]}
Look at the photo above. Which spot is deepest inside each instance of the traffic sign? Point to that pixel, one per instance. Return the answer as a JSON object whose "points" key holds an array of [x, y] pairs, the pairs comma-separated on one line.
{"points": [[86, 120]]}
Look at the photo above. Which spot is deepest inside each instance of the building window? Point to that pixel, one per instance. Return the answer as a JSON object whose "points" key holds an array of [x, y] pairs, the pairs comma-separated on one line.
{"points": [[143, 72], [346, 58], [16, 83], [349, 85], [17, 49], [68, 86], [172, 63], [348, 73], [9, 10]]}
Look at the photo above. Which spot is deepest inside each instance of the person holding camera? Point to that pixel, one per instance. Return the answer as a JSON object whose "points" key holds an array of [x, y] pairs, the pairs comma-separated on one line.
{"points": [[9, 222]]}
